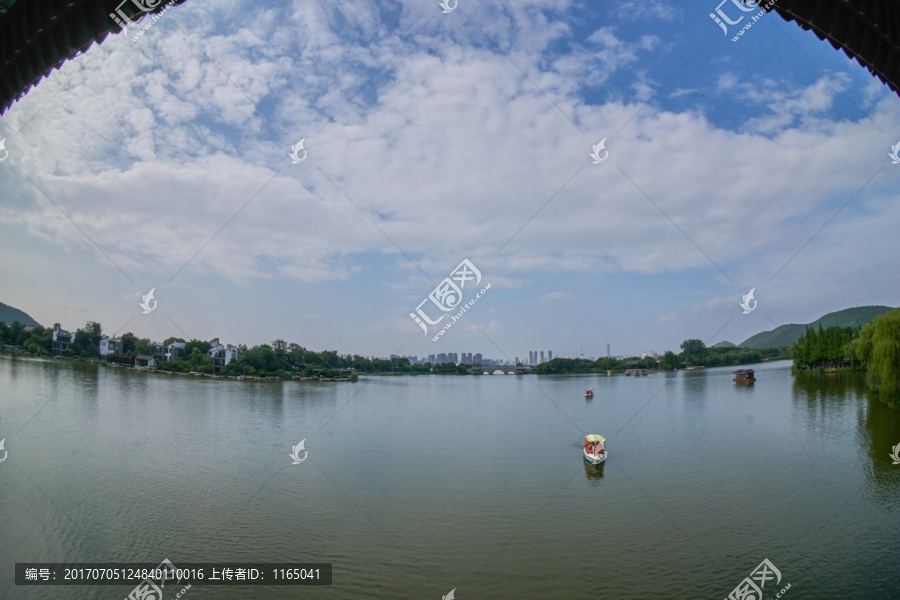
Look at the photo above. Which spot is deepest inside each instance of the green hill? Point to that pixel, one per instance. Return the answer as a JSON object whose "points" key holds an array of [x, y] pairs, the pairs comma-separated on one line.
{"points": [[723, 344], [8, 314], [784, 335]]}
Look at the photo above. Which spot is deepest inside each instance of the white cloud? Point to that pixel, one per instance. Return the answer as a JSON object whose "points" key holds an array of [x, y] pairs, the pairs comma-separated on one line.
{"points": [[715, 303], [459, 152], [557, 297], [646, 9]]}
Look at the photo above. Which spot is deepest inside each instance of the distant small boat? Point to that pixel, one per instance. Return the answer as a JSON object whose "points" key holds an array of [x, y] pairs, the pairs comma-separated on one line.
{"points": [[589, 393], [594, 449], [744, 376]]}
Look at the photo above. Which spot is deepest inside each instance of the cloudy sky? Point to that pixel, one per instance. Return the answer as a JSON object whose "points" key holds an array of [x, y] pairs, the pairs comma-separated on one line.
{"points": [[162, 161]]}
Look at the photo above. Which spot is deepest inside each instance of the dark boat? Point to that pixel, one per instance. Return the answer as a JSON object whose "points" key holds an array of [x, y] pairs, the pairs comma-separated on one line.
{"points": [[744, 376]]}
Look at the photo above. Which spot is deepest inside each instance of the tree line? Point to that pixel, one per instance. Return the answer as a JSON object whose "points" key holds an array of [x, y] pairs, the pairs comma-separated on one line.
{"points": [[829, 348], [284, 359], [280, 358], [694, 353], [877, 345], [39, 339], [873, 348]]}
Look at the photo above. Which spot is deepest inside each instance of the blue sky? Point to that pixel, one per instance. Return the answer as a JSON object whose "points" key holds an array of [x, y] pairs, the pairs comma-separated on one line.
{"points": [[433, 138]]}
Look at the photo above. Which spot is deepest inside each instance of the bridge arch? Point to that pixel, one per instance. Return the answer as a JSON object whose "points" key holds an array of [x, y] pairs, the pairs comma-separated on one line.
{"points": [[504, 369]]}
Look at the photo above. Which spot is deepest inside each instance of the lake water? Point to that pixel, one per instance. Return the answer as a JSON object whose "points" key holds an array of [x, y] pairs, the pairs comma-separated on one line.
{"points": [[414, 486]]}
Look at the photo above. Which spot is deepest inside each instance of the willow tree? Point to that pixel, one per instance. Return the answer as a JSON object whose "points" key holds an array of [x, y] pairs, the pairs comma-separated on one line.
{"points": [[878, 345]]}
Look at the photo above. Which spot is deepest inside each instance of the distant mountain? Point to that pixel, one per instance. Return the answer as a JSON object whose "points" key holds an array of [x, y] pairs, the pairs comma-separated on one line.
{"points": [[723, 344], [8, 314], [786, 335]]}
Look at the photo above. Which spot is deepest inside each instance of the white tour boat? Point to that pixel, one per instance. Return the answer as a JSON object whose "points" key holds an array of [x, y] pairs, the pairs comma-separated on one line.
{"points": [[594, 449]]}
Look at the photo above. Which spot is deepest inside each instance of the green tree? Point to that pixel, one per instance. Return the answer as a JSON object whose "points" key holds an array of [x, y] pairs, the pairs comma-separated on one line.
{"points": [[400, 365], [557, 365], [86, 340], [330, 358], [196, 344], [878, 345], [262, 359], [143, 346], [41, 339], [280, 347], [694, 351], [16, 333], [177, 365], [822, 347], [669, 361], [198, 361], [129, 341], [451, 369]]}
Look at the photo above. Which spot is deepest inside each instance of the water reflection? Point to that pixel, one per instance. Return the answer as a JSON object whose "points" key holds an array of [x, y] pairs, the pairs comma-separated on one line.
{"points": [[882, 424], [86, 377], [694, 386], [594, 473], [830, 398], [819, 387], [825, 398], [455, 480]]}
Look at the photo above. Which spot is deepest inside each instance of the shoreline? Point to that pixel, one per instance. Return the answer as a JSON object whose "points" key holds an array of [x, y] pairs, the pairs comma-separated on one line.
{"points": [[6, 349], [196, 374]]}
